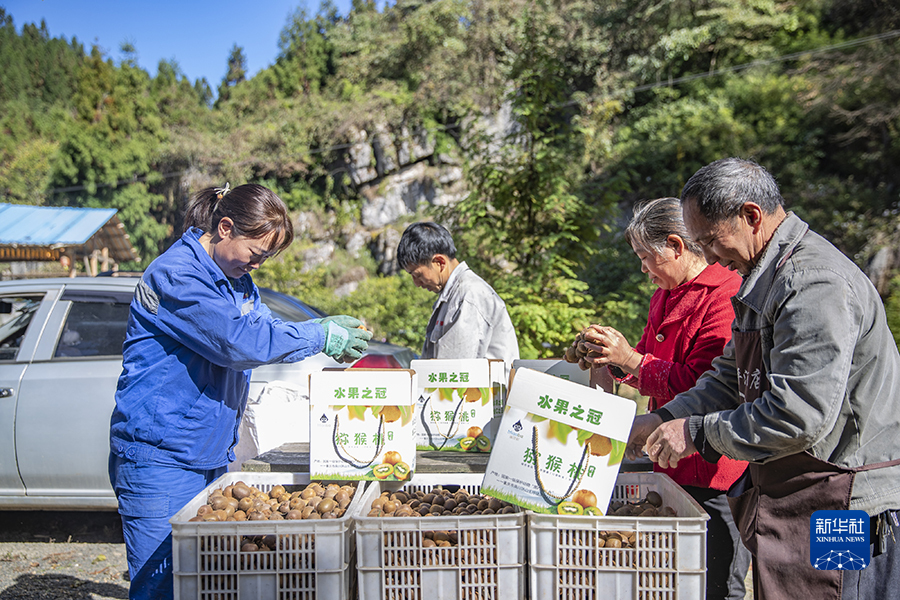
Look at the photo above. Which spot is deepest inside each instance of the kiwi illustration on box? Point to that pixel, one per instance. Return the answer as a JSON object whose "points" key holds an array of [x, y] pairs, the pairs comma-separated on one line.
{"points": [[392, 467], [559, 446], [457, 402], [433, 416], [595, 448]]}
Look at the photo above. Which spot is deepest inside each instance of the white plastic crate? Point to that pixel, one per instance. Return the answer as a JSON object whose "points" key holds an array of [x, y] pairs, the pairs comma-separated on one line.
{"points": [[392, 564], [668, 561], [312, 559]]}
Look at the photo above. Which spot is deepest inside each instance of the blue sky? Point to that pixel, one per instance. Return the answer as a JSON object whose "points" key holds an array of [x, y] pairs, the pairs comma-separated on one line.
{"points": [[198, 34]]}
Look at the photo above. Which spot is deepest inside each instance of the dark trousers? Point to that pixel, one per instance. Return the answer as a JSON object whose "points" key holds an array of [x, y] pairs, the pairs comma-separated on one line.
{"points": [[727, 560], [881, 579]]}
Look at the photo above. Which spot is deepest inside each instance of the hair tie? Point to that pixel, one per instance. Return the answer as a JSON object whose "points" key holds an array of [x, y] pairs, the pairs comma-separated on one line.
{"points": [[222, 191]]}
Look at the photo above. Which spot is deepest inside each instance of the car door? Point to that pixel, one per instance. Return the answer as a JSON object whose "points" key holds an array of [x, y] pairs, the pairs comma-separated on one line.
{"points": [[62, 432], [22, 314]]}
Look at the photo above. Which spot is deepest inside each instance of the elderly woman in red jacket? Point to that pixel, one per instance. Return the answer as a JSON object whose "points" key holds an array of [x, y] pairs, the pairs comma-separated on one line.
{"points": [[687, 327]]}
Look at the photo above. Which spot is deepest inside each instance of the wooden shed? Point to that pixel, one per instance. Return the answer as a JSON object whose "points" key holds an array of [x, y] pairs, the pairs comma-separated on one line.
{"points": [[94, 236]]}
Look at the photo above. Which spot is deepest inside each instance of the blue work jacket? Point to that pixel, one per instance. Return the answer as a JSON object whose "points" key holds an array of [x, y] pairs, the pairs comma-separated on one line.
{"points": [[193, 336]]}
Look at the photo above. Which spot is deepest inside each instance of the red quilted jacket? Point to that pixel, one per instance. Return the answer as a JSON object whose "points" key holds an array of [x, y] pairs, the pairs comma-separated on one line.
{"points": [[686, 329]]}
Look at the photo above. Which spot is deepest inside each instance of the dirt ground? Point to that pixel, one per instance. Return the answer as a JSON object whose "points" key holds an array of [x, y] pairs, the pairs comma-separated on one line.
{"points": [[62, 555]]}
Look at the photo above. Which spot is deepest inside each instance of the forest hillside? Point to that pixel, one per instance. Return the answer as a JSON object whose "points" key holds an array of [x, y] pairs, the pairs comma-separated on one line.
{"points": [[530, 128]]}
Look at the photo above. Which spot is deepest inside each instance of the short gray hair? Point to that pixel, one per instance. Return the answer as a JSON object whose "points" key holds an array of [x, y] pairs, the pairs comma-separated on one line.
{"points": [[722, 187], [654, 221]]}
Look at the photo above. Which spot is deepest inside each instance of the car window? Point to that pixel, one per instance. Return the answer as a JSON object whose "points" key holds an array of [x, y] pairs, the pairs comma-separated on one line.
{"points": [[15, 316], [95, 326], [288, 308]]}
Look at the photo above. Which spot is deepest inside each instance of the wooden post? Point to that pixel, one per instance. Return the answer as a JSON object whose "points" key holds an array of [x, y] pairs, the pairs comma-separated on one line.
{"points": [[104, 258], [94, 256]]}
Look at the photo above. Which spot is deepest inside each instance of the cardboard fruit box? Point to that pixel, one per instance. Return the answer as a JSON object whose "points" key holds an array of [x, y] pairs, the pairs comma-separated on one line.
{"points": [[458, 401], [361, 424], [559, 445], [557, 367]]}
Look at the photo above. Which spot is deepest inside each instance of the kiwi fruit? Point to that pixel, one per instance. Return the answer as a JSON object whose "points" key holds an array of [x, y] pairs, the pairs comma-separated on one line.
{"points": [[585, 498], [401, 471], [437, 502], [570, 508], [600, 445], [467, 443], [313, 502], [483, 443], [383, 471]]}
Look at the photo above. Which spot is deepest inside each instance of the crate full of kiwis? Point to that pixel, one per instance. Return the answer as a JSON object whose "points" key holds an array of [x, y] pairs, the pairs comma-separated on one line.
{"points": [[649, 543], [437, 537], [266, 536]]}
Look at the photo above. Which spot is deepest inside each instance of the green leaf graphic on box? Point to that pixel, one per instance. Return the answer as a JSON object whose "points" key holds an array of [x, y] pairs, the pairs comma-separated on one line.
{"points": [[583, 436], [445, 394], [357, 412], [485, 395], [618, 451], [406, 414], [536, 419], [559, 431], [376, 411]]}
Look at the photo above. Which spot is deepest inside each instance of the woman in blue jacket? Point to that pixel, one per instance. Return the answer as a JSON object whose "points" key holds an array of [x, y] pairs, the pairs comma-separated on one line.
{"points": [[196, 329]]}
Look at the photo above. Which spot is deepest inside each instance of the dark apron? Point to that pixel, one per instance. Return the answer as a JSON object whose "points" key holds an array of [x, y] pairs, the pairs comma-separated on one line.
{"points": [[772, 503]]}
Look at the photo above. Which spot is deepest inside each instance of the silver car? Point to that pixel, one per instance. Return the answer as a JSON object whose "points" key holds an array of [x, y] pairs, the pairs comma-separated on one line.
{"points": [[60, 358]]}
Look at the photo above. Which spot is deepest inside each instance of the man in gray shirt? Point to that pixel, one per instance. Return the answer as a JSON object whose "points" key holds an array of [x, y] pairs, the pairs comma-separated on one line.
{"points": [[469, 320]]}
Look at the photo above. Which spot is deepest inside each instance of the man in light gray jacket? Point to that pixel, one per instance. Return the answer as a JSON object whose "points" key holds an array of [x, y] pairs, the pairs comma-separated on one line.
{"points": [[469, 319], [807, 390]]}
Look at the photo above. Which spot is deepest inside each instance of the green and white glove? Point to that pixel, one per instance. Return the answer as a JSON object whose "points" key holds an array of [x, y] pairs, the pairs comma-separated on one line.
{"points": [[342, 320], [345, 344]]}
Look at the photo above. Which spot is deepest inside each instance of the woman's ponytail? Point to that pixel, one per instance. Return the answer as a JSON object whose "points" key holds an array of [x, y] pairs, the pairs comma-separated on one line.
{"points": [[255, 211]]}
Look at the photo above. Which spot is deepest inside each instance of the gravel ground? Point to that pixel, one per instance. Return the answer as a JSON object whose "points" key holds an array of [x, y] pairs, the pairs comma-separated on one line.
{"points": [[62, 555]]}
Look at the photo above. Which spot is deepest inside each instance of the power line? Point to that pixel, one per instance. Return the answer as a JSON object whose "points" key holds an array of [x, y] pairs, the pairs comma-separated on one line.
{"points": [[768, 61], [641, 88]]}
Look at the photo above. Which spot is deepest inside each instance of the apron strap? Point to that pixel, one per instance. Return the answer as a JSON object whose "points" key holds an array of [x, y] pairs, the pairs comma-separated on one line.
{"points": [[880, 465]]}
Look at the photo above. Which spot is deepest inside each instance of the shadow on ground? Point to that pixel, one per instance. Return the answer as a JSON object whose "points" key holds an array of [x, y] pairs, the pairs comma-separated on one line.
{"points": [[104, 527], [60, 587]]}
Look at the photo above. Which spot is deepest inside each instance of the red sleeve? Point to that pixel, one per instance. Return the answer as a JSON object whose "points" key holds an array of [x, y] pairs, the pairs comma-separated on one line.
{"points": [[664, 379]]}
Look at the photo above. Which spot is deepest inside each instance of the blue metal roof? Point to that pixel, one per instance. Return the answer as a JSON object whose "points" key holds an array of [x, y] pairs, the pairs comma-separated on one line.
{"points": [[50, 226]]}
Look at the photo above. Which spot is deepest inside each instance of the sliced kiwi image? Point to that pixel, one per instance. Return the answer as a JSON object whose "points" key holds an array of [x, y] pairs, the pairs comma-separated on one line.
{"points": [[467, 443], [570, 508], [401, 471], [383, 471], [483, 443]]}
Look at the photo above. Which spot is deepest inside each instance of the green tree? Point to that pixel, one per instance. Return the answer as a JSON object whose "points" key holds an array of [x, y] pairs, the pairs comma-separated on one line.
{"points": [[114, 139], [237, 73], [525, 226], [305, 56]]}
